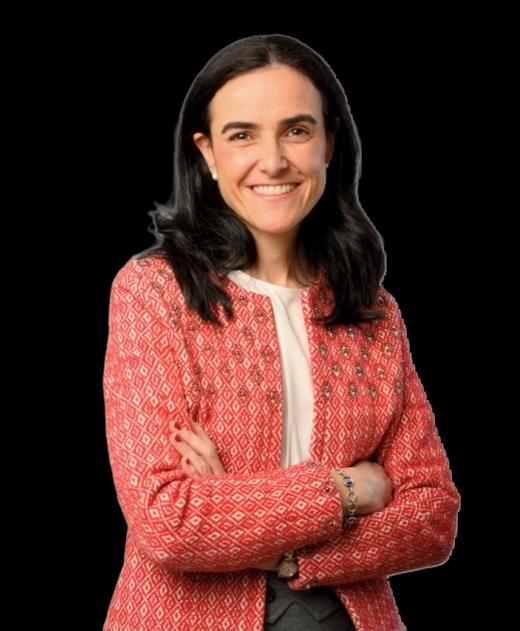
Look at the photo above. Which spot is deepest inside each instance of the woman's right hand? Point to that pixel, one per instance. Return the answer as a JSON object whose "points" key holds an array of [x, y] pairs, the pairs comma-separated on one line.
{"points": [[373, 488], [199, 456]]}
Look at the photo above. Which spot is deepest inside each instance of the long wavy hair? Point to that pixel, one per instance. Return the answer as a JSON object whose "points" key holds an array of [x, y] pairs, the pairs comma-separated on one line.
{"points": [[203, 238]]}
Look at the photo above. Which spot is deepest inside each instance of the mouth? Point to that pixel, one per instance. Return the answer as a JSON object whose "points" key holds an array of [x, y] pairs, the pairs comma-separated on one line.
{"points": [[278, 189]]}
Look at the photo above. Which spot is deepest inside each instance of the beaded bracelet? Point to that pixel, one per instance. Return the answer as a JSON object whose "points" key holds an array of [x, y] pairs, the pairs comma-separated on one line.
{"points": [[351, 496]]}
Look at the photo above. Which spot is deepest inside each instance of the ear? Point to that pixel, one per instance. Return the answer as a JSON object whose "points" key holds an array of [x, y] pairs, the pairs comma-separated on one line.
{"points": [[204, 146], [331, 139]]}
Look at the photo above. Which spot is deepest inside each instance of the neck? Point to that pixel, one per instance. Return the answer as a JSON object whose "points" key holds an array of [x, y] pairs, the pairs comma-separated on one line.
{"points": [[278, 264]]}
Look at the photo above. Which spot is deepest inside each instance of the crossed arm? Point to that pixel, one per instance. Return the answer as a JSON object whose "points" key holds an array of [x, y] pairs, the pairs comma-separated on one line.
{"points": [[199, 457]]}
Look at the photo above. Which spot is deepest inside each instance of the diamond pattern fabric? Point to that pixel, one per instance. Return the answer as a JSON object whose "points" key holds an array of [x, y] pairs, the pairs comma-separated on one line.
{"points": [[191, 544]]}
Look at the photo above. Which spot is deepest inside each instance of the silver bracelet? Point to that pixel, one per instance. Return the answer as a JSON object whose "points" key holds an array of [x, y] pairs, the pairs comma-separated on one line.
{"points": [[351, 496]]}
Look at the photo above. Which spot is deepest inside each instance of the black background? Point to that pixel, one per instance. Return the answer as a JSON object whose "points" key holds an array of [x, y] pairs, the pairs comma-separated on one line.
{"points": [[405, 94]]}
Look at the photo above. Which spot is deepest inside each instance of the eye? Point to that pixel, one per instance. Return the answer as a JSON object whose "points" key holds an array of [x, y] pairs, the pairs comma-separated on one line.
{"points": [[241, 135], [298, 132]]}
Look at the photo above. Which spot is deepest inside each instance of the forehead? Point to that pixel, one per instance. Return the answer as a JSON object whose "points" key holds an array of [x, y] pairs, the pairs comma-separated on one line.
{"points": [[273, 93]]}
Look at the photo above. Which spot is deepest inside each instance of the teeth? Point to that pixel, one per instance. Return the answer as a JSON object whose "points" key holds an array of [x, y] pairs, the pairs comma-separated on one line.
{"points": [[280, 189]]}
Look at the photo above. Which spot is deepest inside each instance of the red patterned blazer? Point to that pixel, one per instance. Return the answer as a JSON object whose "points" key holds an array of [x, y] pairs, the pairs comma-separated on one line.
{"points": [[191, 544]]}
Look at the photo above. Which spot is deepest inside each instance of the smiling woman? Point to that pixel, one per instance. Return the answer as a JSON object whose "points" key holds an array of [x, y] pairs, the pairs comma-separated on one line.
{"points": [[272, 447]]}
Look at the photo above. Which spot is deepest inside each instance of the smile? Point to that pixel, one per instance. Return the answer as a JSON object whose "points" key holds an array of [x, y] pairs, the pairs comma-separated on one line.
{"points": [[279, 189]]}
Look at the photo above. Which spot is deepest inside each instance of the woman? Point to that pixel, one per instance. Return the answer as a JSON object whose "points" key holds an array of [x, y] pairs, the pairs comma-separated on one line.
{"points": [[273, 450]]}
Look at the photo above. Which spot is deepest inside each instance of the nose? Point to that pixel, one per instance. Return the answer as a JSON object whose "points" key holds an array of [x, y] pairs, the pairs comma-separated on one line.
{"points": [[272, 159]]}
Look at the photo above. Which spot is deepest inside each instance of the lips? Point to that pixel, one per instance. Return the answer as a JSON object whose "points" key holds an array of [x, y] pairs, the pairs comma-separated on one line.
{"points": [[278, 189]]}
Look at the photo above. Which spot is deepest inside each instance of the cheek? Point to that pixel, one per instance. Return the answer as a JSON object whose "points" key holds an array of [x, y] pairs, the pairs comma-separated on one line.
{"points": [[317, 169], [231, 163], [311, 161], [232, 169], [318, 175]]}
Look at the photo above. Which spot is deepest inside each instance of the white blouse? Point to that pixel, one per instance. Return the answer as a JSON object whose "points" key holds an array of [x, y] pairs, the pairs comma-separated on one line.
{"points": [[296, 365]]}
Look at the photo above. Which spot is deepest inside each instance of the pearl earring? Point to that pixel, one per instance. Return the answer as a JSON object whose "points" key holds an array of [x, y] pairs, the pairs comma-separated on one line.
{"points": [[214, 176]]}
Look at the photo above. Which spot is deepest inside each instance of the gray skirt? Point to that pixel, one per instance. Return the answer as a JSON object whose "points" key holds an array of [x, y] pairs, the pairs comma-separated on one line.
{"points": [[317, 609]]}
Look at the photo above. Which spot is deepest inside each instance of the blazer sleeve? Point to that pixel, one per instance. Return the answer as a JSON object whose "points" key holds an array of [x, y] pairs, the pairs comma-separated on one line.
{"points": [[219, 523], [418, 528]]}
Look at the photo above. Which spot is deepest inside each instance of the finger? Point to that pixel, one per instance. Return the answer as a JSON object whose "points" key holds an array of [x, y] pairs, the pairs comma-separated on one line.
{"points": [[211, 455], [194, 464], [197, 462], [180, 438], [197, 446], [208, 461], [189, 469], [180, 445], [198, 467], [200, 431]]}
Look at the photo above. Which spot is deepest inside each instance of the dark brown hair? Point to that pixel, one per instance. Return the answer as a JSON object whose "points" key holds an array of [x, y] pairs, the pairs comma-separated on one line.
{"points": [[204, 239]]}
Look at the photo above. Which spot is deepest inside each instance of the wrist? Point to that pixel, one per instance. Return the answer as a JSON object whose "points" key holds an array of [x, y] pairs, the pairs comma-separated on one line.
{"points": [[288, 566], [345, 485]]}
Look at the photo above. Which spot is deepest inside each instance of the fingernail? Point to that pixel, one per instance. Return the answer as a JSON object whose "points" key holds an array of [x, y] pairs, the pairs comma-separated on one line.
{"points": [[177, 425], [178, 438]]}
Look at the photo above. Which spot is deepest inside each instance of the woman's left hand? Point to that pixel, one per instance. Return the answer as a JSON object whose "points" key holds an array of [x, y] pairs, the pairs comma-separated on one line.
{"points": [[199, 456]]}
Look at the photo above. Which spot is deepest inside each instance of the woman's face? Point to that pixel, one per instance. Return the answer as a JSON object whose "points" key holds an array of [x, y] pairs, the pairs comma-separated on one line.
{"points": [[269, 147]]}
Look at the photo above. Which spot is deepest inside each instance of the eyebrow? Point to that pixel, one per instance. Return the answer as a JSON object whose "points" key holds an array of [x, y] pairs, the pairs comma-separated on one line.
{"points": [[293, 120]]}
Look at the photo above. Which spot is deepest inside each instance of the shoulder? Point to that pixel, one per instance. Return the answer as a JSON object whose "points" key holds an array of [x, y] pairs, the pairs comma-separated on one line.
{"points": [[387, 304], [149, 277], [390, 329], [146, 289]]}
